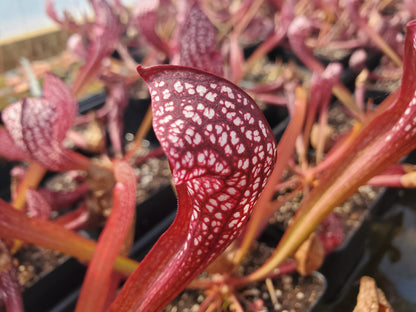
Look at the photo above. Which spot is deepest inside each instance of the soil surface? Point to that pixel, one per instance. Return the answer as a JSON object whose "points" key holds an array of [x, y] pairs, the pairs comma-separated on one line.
{"points": [[351, 213], [287, 293], [33, 262]]}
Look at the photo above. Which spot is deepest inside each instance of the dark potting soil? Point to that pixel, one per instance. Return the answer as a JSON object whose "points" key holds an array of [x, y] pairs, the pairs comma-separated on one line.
{"points": [[292, 293], [153, 174], [33, 262], [351, 213]]}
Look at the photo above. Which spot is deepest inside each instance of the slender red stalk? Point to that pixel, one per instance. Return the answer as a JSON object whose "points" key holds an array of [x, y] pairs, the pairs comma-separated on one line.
{"points": [[397, 175], [39, 125], [105, 33], [98, 278], [297, 34], [145, 18], [15, 224], [37, 205], [31, 179], [197, 43], [279, 33], [285, 150], [75, 220]]}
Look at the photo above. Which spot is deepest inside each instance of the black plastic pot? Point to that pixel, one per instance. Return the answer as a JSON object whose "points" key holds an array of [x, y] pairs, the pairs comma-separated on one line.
{"points": [[54, 286], [341, 265], [315, 304], [5, 168], [344, 266]]}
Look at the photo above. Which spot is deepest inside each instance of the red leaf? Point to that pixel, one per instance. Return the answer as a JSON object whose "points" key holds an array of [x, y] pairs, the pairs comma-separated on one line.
{"points": [[410, 6], [8, 148], [75, 220], [105, 33], [236, 59], [38, 126], [15, 224], [300, 28], [98, 277], [331, 232], [197, 43], [116, 102], [56, 92], [67, 22], [145, 19], [62, 199], [37, 205], [221, 151]]}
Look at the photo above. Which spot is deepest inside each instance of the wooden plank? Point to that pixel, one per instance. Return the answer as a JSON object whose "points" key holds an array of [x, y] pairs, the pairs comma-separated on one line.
{"points": [[33, 46]]}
